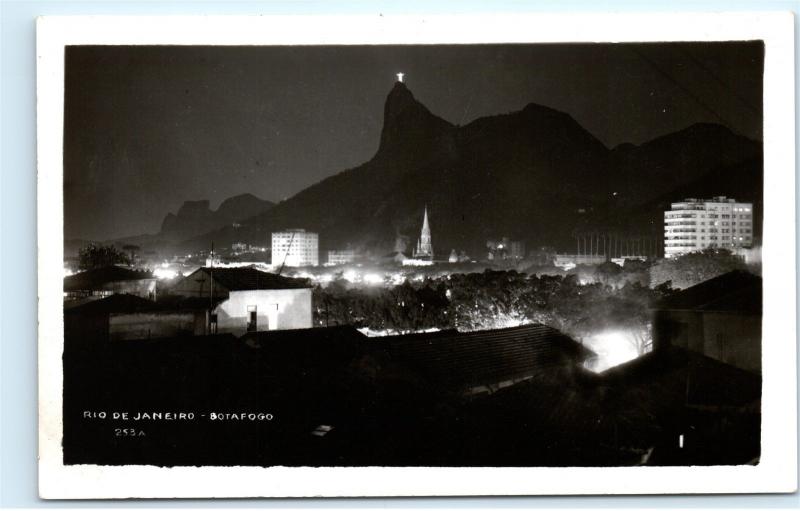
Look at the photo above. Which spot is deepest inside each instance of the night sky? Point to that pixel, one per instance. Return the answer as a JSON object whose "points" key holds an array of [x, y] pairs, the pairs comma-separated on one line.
{"points": [[147, 128]]}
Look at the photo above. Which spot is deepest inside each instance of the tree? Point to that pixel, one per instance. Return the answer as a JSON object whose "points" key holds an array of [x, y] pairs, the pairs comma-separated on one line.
{"points": [[694, 268], [132, 251], [98, 256]]}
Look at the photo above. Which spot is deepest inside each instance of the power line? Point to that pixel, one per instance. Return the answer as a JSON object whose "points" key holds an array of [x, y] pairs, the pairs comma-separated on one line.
{"points": [[682, 87]]}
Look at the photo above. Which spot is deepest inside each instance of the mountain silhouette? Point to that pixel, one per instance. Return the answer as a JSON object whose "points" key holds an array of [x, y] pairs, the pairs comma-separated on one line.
{"points": [[534, 175], [196, 217]]}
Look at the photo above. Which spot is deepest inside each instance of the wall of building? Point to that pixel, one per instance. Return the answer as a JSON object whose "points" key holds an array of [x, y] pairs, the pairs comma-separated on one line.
{"points": [[336, 257], [144, 288], [295, 248], [82, 329], [683, 329], [728, 337], [694, 225], [734, 339], [276, 309], [571, 260], [152, 325]]}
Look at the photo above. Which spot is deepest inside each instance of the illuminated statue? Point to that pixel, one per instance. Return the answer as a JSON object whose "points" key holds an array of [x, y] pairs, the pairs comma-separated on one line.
{"points": [[400, 77]]}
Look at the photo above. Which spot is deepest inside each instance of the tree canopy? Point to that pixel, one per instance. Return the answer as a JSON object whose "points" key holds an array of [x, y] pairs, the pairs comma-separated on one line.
{"points": [[98, 256]]}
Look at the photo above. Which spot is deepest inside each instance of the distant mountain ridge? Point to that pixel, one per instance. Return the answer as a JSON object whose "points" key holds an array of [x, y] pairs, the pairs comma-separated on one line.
{"points": [[193, 219], [534, 175], [196, 217]]}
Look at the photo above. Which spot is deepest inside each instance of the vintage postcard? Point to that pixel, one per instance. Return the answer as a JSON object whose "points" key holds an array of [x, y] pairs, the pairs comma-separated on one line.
{"points": [[392, 256]]}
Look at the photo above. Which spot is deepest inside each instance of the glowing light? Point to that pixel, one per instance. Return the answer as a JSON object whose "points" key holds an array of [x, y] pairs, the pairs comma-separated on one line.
{"points": [[68, 272], [350, 275], [613, 347], [400, 77], [165, 274], [373, 278]]}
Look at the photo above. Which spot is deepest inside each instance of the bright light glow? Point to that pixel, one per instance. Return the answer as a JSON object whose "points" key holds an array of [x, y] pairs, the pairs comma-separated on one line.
{"points": [[68, 272], [369, 332], [613, 347], [165, 274], [350, 275], [373, 278]]}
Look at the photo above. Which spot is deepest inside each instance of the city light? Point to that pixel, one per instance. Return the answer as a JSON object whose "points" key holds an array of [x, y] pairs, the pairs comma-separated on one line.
{"points": [[613, 347], [164, 273], [373, 279]]}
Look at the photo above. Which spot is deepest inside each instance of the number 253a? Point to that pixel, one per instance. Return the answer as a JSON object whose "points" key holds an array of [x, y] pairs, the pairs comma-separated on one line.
{"points": [[128, 432]]}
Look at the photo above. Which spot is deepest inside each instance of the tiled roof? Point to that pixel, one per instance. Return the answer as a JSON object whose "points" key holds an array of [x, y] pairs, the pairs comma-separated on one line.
{"points": [[307, 340], [736, 291], [95, 279], [187, 303], [113, 304], [694, 377], [465, 359], [249, 279]]}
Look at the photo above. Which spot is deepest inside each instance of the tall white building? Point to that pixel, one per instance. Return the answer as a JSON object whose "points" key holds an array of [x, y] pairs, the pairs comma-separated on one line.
{"points": [[295, 247], [696, 224]]}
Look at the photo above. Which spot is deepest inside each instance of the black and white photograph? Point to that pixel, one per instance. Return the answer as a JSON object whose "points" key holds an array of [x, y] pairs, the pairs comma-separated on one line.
{"points": [[521, 254]]}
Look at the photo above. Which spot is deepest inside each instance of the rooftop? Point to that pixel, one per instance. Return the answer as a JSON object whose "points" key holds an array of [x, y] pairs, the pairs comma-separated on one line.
{"points": [[250, 279], [463, 359], [736, 291], [96, 278], [113, 304]]}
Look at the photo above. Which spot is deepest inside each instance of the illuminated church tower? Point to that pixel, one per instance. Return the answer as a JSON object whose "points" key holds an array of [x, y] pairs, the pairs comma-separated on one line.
{"points": [[424, 246]]}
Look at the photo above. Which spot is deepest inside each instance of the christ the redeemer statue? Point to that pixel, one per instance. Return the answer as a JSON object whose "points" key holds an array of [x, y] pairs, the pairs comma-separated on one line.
{"points": [[400, 77]]}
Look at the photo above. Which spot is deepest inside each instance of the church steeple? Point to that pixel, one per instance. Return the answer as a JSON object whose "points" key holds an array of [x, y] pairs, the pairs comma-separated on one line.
{"points": [[424, 245]]}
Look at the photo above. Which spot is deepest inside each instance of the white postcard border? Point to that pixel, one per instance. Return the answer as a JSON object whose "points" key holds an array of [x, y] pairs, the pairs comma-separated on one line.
{"points": [[777, 471]]}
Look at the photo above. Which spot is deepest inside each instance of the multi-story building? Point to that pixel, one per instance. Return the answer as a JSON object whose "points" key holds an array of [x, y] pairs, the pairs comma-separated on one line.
{"points": [[696, 224], [295, 247], [337, 257]]}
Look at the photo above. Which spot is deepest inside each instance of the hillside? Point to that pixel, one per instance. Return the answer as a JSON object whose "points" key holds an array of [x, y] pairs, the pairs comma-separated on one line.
{"points": [[535, 175]]}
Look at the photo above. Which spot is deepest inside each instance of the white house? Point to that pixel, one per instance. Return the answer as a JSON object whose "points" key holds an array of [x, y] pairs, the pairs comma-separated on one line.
{"points": [[249, 300]]}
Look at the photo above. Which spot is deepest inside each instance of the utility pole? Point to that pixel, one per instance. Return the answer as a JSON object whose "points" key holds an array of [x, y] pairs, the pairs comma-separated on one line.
{"points": [[211, 288], [286, 254]]}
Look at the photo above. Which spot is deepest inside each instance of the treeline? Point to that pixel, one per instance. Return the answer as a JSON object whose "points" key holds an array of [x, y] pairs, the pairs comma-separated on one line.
{"points": [[585, 300], [492, 299]]}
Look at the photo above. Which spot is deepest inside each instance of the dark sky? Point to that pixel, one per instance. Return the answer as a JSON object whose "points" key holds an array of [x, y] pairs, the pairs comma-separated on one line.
{"points": [[147, 128]]}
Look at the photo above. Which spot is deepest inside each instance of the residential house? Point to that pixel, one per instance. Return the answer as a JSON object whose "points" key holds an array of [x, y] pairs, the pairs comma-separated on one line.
{"points": [[109, 280], [245, 300]]}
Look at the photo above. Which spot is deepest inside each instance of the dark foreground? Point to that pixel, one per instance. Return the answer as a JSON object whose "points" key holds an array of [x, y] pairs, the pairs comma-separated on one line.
{"points": [[335, 404]]}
